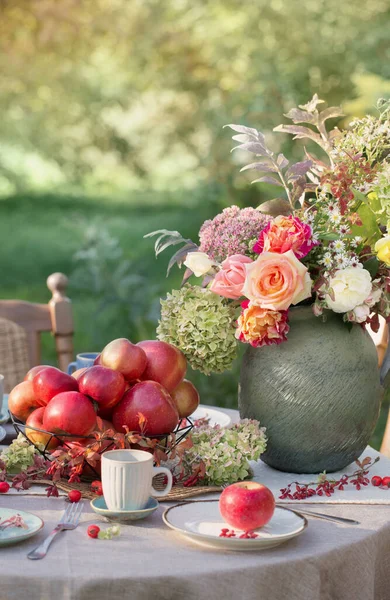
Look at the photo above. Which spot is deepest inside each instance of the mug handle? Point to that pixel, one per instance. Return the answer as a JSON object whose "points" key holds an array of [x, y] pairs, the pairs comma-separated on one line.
{"points": [[168, 487], [71, 368]]}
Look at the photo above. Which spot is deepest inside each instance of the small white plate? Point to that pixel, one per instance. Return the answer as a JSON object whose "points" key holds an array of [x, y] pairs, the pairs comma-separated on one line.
{"points": [[3, 433], [216, 417], [11, 535], [4, 414], [201, 522]]}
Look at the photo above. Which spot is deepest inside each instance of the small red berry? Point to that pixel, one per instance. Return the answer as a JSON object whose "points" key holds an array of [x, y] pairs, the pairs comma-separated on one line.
{"points": [[386, 482], [4, 487], [96, 486], [376, 480], [93, 531], [74, 496]]}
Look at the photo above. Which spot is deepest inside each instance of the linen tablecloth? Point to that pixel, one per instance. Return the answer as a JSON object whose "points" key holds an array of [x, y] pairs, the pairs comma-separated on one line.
{"points": [[151, 562]]}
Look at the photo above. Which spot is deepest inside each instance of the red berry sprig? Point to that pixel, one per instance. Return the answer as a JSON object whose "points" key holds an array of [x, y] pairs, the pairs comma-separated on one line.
{"points": [[247, 535], [326, 487]]}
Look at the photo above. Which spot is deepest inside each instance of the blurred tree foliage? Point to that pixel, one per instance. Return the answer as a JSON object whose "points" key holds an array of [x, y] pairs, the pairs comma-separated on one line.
{"points": [[121, 93]]}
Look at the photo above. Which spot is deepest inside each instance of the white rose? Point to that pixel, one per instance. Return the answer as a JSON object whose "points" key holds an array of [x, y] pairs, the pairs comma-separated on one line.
{"points": [[198, 262], [374, 297], [351, 286], [361, 313]]}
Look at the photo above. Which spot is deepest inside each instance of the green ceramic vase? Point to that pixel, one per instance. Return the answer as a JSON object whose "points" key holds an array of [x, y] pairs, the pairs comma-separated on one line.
{"points": [[318, 394]]}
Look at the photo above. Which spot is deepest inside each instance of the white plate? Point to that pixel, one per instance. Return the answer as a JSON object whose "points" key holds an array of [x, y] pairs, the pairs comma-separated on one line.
{"points": [[3, 433], [201, 522], [11, 535], [216, 417]]}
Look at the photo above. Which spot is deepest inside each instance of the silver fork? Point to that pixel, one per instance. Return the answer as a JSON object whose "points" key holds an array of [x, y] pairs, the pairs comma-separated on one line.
{"points": [[69, 520]]}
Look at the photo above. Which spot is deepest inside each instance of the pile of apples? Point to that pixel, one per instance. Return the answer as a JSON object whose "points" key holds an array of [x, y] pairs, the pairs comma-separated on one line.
{"points": [[136, 386]]}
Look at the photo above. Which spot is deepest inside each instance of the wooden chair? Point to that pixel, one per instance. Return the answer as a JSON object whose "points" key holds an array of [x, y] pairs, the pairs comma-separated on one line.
{"points": [[21, 324]]}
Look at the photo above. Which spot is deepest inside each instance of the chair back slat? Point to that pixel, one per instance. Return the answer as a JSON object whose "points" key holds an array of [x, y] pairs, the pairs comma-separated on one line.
{"points": [[14, 353], [23, 322]]}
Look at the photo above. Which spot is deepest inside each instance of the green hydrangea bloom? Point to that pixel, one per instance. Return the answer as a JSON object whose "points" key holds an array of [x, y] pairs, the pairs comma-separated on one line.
{"points": [[19, 455], [201, 324], [226, 452]]}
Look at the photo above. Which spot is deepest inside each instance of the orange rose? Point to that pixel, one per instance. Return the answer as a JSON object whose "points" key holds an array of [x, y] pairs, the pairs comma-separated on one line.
{"points": [[261, 327], [275, 281]]}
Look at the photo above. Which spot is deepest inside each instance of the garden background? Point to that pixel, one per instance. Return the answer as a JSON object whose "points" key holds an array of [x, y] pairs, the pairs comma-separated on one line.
{"points": [[111, 126]]}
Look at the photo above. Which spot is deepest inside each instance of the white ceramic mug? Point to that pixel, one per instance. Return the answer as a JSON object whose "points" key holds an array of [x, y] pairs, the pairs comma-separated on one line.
{"points": [[1, 391], [127, 479]]}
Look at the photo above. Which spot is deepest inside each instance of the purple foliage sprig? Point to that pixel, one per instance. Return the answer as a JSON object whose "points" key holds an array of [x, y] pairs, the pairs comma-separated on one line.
{"points": [[326, 487]]}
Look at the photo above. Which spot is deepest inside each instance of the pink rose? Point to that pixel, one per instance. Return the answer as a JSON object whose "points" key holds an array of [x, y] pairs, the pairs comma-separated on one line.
{"points": [[229, 281], [275, 281], [283, 234]]}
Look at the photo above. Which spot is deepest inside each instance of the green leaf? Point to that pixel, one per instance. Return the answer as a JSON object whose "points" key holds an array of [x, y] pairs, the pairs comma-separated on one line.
{"points": [[369, 229], [329, 236], [372, 266]]}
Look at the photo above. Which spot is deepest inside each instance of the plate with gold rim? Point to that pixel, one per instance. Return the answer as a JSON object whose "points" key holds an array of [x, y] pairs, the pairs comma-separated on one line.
{"points": [[201, 522]]}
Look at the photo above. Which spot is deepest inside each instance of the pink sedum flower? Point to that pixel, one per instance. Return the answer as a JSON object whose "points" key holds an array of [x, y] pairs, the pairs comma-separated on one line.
{"points": [[233, 231], [275, 281], [286, 233], [261, 327], [230, 280]]}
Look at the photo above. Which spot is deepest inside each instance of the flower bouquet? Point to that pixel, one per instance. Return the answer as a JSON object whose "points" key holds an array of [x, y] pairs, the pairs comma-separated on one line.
{"points": [[323, 251]]}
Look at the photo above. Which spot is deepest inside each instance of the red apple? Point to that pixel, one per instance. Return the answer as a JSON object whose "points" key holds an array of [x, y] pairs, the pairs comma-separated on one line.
{"points": [[246, 505], [22, 400], [51, 381], [166, 364], [77, 374], [186, 398], [70, 413], [35, 420], [34, 371], [125, 357], [146, 407], [103, 385]]}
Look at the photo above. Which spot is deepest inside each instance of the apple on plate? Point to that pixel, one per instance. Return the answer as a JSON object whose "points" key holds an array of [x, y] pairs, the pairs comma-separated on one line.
{"points": [[35, 420], [146, 407], [166, 364], [103, 385], [123, 356], [186, 398], [22, 400], [247, 505], [70, 413], [51, 381]]}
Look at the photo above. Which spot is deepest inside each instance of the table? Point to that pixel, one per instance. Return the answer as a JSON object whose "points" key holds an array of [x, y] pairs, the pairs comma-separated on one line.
{"points": [[151, 562]]}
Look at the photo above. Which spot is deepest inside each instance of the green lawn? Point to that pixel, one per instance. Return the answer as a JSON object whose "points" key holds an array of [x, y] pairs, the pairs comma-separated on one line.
{"points": [[41, 233]]}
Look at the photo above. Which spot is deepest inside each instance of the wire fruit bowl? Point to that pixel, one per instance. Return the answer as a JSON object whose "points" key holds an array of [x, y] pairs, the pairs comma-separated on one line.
{"points": [[180, 432]]}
